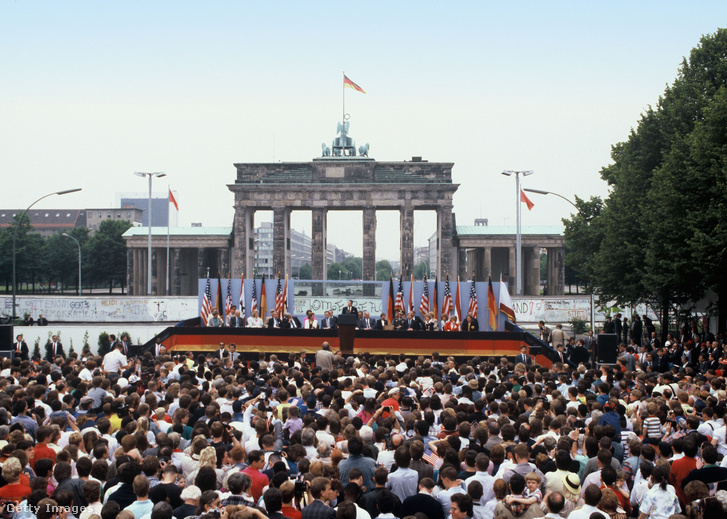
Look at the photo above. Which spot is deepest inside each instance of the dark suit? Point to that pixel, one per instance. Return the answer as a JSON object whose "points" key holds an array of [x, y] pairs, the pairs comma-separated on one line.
{"points": [[414, 324], [353, 310], [237, 322], [470, 326], [42, 321], [524, 358], [23, 353], [367, 324], [284, 324], [422, 503], [295, 320], [49, 354], [381, 323], [273, 323], [329, 323], [125, 348], [318, 510]]}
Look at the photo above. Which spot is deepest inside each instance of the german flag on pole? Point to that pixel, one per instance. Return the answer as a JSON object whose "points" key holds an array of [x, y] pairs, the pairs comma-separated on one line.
{"points": [[350, 84], [491, 306]]}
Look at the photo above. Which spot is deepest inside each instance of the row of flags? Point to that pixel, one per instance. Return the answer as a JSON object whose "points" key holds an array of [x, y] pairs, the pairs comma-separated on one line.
{"points": [[281, 299], [449, 305], [396, 302]]}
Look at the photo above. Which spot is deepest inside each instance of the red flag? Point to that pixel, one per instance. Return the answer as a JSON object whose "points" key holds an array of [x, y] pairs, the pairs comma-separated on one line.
{"points": [[447, 301], [524, 198], [434, 301], [472, 310], [253, 300], [390, 306], [241, 304], [350, 84], [457, 304], [506, 306], [263, 300], [172, 199], [491, 306]]}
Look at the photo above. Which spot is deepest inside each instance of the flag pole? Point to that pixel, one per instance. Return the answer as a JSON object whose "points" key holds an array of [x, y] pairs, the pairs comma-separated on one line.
{"points": [[168, 211]]}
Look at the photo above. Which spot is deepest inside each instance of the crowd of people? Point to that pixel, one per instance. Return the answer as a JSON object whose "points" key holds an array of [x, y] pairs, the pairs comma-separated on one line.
{"points": [[328, 436]]}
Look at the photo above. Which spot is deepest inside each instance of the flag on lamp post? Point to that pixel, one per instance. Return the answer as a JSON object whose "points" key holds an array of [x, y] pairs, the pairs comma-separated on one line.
{"points": [[472, 310], [206, 302], [424, 303], [524, 199], [506, 306], [491, 306]]}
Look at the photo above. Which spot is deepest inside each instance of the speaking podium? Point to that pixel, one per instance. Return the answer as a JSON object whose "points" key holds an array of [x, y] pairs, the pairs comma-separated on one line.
{"points": [[347, 324]]}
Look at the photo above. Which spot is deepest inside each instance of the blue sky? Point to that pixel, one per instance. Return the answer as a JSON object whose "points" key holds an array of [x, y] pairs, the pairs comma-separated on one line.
{"points": [[93, 91]]}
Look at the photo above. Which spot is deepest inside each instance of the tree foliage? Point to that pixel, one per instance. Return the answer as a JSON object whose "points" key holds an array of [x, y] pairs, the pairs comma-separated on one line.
{"points": [[383, 270], [107, 253], [661, 235]]}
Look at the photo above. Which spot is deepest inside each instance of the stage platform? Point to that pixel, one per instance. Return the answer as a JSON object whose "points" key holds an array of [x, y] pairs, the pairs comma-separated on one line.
{"points": [[251, 341]]}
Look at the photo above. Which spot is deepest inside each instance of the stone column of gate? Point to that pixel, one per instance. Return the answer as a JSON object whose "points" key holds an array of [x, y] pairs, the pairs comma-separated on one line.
{"points": [[130, 271], [319, 242], [445, 233], [281, 241], [176, 273], [533, 287], [513, 271], [243, 256], [407, 241], [224, 257], [488, 263], [560, 271], [551, 288], [369, 244], [201, 270]]}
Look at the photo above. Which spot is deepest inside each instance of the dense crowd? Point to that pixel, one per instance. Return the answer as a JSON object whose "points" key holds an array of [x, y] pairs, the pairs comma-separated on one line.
{"points": [[326, 436]]}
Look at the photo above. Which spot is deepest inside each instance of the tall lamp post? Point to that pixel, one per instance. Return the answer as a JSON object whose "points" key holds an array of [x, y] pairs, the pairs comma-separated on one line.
{"points": [[79, 260], [542, 192], [150, 176], [518, 252], [15, 236]]}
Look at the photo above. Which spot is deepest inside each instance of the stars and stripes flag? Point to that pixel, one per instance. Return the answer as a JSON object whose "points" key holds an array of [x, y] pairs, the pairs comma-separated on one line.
{"points": [[447, 301], [228, 298], [434, 300], [279, 296], [457, 303], [285, 295], [491, 306], [206, 302], [253, 301], [472, 310], [241, 304], [399, 304], [390, 306], [410, 308], [424, 304], [506, 306]]}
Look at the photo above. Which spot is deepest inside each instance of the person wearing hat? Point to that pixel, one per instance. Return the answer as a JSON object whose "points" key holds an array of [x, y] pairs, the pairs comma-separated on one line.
{"points": [[20, 350], [571, 492]]}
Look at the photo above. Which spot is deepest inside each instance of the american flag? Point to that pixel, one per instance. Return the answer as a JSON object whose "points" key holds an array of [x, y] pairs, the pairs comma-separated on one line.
{"points": [[228, 298], [399, 304], [447, 301], [473, 300], [279, 304], [253, 302], [411, 295], [432, 458], [424, 304], [206, 302], [241, 305], [457, 303]]}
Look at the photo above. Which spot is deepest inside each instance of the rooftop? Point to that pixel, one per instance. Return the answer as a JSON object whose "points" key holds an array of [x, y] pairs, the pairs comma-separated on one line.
{"points": [[509, 230], [179, 231]]}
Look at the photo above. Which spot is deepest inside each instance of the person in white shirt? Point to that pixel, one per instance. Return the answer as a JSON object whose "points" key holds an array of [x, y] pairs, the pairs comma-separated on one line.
{"points": [[254, 320], [311, 323], [86, 373], [591, 496], [115, 361]]}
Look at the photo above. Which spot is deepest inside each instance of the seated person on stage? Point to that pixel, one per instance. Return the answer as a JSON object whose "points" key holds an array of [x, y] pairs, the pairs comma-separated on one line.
{"points": [[413, 322], [431, 324], [254, 320], [329, 321], [400, 322], [470, 324], [383, 321], [273, 321], [215, 320], [367, 323], [310, 323], [452, 325]]}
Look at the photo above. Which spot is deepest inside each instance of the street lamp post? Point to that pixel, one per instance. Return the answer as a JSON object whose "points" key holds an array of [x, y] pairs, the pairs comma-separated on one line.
{"points": [[518, 252], [15, 235], [150, 176], [79, 260], [542, 192]]}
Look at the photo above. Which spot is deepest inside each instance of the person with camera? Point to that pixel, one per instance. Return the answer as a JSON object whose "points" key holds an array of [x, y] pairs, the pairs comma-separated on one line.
{"points": [[322, 494]]}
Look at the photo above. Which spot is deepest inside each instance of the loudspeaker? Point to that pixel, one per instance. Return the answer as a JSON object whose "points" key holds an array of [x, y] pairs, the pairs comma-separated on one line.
{"points": [[607, 350], [6, 340]]}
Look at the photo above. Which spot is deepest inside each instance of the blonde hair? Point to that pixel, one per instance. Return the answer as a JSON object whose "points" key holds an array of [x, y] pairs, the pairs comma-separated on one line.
{"points": [[208, 457], [533, 476]]}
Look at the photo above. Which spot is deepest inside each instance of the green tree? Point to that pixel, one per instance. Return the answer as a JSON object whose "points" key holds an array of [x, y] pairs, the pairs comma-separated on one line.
{"points": [[383, 270], [337, 271], [354, 266], [106, 253], [420, 269], [305, 272]]}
